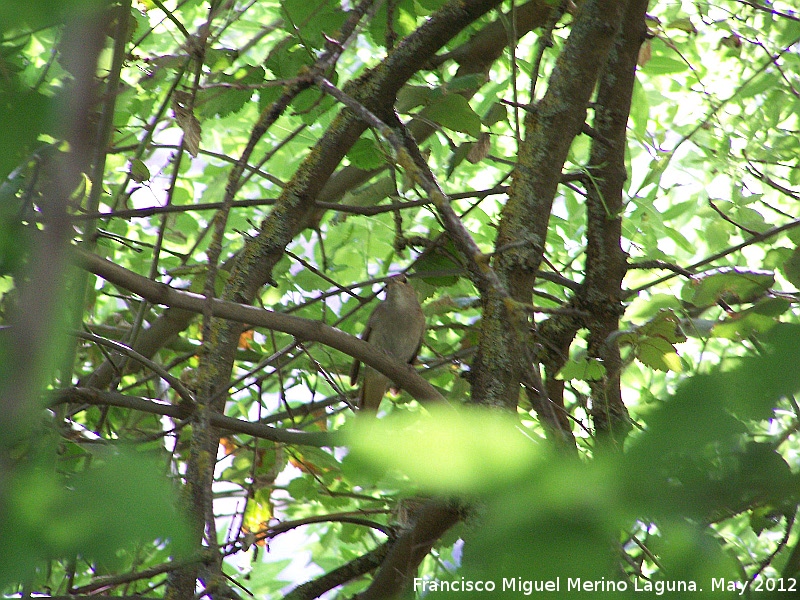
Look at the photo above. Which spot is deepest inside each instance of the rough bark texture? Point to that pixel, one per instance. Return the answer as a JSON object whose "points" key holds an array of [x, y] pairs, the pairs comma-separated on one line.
{"points": [[601, 296], [550, 127], [397, 572]]}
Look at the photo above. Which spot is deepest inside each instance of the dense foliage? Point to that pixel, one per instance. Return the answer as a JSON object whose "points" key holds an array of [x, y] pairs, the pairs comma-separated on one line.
{"points": [[595, 201]]}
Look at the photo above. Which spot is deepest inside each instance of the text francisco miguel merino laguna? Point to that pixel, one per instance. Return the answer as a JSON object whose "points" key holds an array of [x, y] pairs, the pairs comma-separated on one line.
{"points": [[573, 584]]}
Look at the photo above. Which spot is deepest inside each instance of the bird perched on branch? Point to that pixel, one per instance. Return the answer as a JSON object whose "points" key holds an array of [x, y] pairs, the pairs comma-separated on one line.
{"points": [[396, 326]]}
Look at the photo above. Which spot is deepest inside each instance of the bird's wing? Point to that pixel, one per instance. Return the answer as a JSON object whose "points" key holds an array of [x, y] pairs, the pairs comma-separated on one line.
{"points": [[416, 351]]}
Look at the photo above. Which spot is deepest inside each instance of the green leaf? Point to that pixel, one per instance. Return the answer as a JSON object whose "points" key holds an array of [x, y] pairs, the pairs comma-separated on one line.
{"points": [[457, 157], [264, 576], [764, 517], [753, 388], [121, 500], [664, 325], [24, 114], [465, 83], [640, 110], [411, 96], [776, 257], [751, 219], [452, 111], [139, 171], [497, 112], [664, 65], [791, 268], [759, 318], [431, 5], [366, 154], [403, 22], [448, 451], [584, 369], [440, 267], [43, 13], [733, 285], [314, 19], [652, 342], [310, 104], [683, 24], [222, 101], [286, 59], [302, 488]]}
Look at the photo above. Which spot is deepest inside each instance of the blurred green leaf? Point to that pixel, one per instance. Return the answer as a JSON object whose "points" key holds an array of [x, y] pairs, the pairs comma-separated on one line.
{"points": [[24, 115], [791, 267], [119, 501], [467, 451]]}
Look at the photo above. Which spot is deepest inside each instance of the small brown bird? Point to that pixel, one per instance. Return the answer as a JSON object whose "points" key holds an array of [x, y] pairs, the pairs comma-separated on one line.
{"points": [[396, 326]]}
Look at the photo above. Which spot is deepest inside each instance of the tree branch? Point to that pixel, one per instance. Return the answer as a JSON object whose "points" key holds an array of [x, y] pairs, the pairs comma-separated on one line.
{"points": [[398, 570], [304, 329], [601, 295], [182, 411], [550, 128], [355, 568]]}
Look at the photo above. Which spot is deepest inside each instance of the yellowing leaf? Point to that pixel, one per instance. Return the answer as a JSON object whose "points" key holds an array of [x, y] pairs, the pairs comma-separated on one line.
{"points": [[246, 340], [259, 511], [184, 116], [657, 353]]}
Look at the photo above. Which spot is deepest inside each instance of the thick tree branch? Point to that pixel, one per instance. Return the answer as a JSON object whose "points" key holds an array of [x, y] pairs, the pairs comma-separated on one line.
{"points": [[213, 374], [550, 127], [400, 567], [473, 57], [408, 155], [303, 329], [601, 294], [294, 209]]}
